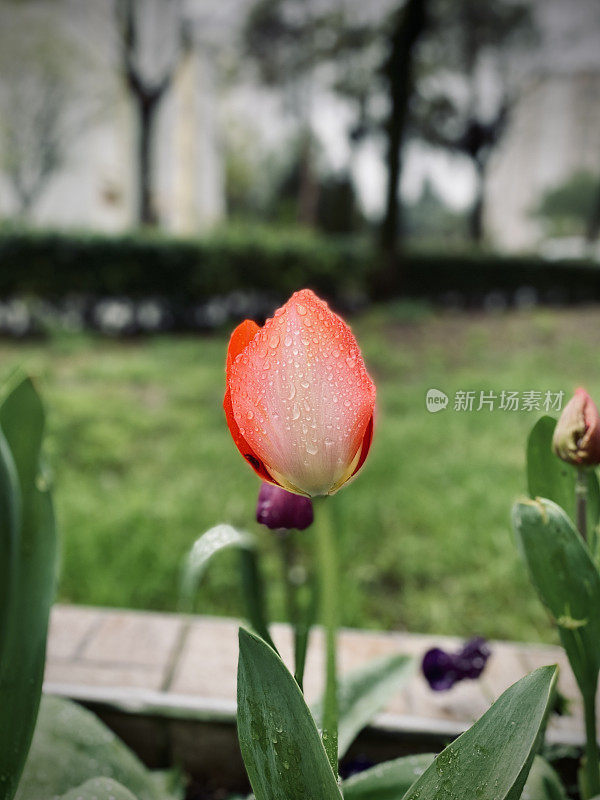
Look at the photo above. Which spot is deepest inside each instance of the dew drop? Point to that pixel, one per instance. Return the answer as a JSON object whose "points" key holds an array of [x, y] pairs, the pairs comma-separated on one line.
{"points": [[274, 340], [288, 340], [301, 309], [296, 411]]}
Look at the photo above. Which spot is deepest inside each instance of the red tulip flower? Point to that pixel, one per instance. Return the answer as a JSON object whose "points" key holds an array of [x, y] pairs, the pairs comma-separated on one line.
{"points": [[299, 401], [577, 434]]}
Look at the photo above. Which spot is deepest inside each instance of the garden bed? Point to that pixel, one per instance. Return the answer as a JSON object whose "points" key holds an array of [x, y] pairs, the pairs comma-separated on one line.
{"points": [[166, 683]]}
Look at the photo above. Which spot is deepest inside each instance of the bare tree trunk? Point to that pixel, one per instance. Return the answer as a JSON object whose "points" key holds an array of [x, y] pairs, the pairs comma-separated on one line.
{"points": [[147, 99], [147, 108], [410, 24], [476, 230]]}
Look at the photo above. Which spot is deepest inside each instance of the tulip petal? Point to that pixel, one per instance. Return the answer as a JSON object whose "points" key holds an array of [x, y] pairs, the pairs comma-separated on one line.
{"points": [[302, 398], [239, 339], [241, 336]]}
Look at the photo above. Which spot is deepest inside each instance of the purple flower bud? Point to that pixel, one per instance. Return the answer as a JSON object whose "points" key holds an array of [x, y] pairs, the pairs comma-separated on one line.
{"points": [[439, 669], [473, 657], [281, 510], [442, 670]]}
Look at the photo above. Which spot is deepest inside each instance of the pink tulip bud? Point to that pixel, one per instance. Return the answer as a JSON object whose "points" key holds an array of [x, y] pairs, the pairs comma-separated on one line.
{"points": [[299, 401], [577, 434]]}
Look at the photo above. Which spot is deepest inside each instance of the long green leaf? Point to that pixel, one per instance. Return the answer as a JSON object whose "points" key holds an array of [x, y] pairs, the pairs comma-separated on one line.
{"points": [[543, 783], [99, 789], [567, 580], [492, 759], [71, 746], [392, 779], [10, 525], [216, 540], [281, 747], [364, 692], [548, 476], [388, 781], [31, 591]]}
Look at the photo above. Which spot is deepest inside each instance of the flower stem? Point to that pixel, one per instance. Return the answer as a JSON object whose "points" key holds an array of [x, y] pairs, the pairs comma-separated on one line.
{"points": [[286, 552], [581, 488], [592, 763], [328, 598]]}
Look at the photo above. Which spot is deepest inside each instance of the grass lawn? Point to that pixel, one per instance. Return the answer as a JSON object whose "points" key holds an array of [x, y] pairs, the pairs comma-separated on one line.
{"points": [[143, 464]]}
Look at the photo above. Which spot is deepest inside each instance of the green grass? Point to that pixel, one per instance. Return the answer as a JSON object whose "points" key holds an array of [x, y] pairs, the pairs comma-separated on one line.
{"points": [[143, 464]]}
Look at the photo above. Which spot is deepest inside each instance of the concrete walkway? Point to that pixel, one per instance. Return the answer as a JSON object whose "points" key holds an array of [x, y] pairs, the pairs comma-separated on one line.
{"points": [[185, 668]]}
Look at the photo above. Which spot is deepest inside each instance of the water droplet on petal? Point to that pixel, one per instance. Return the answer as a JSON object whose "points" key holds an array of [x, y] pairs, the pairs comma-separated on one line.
{"points": [[296, 411], [301, 309], [274, 340], [288, 340]]}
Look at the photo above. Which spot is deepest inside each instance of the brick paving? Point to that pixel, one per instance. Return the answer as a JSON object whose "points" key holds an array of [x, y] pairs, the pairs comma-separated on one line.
{"points": [[185, 667]]}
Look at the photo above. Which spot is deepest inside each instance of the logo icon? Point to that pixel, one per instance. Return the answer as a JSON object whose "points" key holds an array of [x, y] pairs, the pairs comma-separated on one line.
{"points": [[435, 400]]}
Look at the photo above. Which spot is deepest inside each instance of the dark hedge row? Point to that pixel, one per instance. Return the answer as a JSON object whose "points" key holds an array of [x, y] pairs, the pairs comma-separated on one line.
{"points": [[53, 265]]}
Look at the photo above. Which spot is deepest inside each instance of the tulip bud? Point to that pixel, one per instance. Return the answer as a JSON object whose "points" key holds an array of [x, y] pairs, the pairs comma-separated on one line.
{"points": [[442, 670], [298, 399], [577, 434], [281, 510]]}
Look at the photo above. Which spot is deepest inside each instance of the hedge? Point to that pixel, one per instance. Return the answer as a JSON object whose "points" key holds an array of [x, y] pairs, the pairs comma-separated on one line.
{"points": [[55, 265], [52, 265]]}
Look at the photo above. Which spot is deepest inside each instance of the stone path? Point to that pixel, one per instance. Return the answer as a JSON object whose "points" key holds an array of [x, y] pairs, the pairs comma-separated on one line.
{"points": [[185, 668]]}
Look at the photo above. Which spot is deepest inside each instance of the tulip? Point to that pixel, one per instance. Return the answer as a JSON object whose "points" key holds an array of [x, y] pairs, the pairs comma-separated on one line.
{"points": [[281, 510], [442, 669], [299, 402], [577, 434]]}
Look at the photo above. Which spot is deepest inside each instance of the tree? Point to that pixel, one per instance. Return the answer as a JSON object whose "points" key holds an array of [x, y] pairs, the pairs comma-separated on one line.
{"points": [[408, 26], [151, 37], [42, 107], [466, 36], [568, 207], [289, 40]]}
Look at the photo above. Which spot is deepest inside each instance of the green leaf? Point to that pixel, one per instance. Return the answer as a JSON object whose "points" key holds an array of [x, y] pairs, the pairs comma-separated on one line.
{"points": [[388, 781], [29, 595], [280, 744], [548, 476], [543, 783], [71, 746], [364, 692], [567, 580], [10, 525], [99, 789], [215, 540], [492, 759]]}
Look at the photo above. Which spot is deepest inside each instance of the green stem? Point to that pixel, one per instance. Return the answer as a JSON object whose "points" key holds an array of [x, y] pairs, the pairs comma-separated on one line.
{"points": [[287, 562], [581, 488], [328, 597], [592, 763], [254, 596]]}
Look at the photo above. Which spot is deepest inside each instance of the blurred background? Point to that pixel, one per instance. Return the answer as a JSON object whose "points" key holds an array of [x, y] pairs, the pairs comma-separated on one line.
{"points": [[168, 167]]}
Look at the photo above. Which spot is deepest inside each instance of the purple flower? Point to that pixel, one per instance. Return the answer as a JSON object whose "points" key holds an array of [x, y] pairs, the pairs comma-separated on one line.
{"points": [[281, 510], [442, 670]]}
